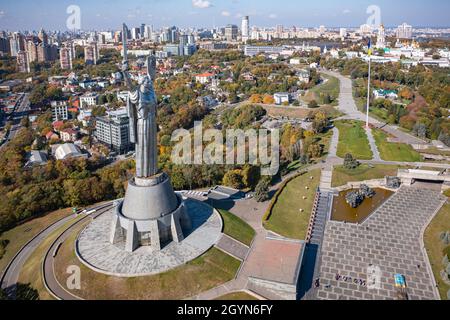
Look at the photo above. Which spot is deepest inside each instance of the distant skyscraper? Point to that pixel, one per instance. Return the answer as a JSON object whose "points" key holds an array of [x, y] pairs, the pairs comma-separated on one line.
{"points": [[245, 29], [66, 58], [43, 37], [322, 29], [404, 31], [342, 32], [4, 45], [23, 64], [17, 43], [381, 39], [91, 53], [135, 33], [231, 32], [280, 29]]}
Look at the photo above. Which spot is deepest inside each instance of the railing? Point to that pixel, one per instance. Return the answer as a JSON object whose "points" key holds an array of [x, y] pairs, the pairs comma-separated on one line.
{"points": [[313, 217]]}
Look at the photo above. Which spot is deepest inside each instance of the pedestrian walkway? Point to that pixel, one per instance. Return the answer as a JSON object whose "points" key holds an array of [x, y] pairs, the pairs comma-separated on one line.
{"points": [[373, 145]]}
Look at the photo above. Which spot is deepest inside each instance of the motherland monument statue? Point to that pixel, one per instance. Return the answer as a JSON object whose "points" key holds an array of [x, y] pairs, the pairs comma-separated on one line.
{"points": [[151, 214]]}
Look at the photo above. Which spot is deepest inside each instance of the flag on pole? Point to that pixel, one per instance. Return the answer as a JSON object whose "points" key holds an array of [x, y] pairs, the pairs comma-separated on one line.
{"points": [[369, 52]]}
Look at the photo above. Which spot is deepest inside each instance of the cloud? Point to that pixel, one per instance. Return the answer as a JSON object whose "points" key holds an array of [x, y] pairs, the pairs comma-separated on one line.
{"points": [[273, 16], [225, 13], [201, 4], [2, 13], [346, 11], [239, 15]]}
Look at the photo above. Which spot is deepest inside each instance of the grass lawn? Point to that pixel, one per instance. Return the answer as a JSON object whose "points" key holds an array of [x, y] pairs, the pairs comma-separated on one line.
{"points": [[342, 176], [353, 139], [237, 296], [237, 228], [394, 151], [204, 273], [331, 87], [286, 218], [20, 235], [435, 247], [31, 271]]}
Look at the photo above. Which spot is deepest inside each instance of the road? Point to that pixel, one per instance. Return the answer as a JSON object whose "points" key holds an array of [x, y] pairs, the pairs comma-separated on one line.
{"points": [[22, 106], [11, 274], [49, 277]]}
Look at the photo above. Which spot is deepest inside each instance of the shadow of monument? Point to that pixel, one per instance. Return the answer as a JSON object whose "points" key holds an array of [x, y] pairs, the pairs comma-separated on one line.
{"points": [[199, 212], [305, 284]]}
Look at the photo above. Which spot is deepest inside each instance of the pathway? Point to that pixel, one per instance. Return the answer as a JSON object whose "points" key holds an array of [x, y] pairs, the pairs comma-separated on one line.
{"points": [[348, 106]]}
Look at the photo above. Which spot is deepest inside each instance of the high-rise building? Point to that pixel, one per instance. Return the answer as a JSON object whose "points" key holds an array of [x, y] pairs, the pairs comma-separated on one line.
{"points": [[280, 29], [43, 38], [32, 51], [342, 32], [322, 29], [23, 64], [4, 45], [142, 30], [381, 39], [114, 131], [66, 58], [60, 111], [135, 33], [231, 32], [148, 31], [404, 31], [91, 55], [17, 43], [245, 29]]}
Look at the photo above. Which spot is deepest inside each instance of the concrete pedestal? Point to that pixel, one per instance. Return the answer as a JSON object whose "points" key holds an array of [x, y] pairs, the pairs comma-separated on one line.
{"points": [[151, 215]]}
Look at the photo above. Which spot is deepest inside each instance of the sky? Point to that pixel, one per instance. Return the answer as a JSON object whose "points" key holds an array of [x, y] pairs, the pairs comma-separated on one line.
{"points": [[109, 14]]}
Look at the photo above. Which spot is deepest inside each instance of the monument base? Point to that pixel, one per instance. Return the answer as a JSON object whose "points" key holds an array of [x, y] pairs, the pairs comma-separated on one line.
{"points": [[151, 215]]}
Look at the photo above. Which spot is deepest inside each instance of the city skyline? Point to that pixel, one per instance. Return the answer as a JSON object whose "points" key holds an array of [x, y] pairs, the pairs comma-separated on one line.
{"points": [[101, 15]]}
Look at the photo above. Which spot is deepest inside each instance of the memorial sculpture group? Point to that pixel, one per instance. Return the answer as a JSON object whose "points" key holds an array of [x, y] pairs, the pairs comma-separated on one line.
{"points": [[356, 198], [151, 214]]}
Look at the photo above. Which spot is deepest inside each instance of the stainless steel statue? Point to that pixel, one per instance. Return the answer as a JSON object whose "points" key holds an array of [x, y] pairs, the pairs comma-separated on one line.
{"points": [[151, 214], [142, 107]]}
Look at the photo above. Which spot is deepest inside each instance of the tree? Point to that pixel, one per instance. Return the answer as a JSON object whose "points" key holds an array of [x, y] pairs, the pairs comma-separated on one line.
{"points": [[320, 122], [350, 163], [268, 99], [262, 190], [233, 179], [256, 98]]}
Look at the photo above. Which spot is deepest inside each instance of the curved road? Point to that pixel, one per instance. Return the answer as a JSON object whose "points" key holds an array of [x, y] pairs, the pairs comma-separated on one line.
{"points": [[11, 274], [48, 270]]}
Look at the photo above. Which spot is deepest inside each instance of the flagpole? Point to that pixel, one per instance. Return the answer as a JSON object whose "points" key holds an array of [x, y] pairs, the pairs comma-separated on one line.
{"points": [[368, 89]]}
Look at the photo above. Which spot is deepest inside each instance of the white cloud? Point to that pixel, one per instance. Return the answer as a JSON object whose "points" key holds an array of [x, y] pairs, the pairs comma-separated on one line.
{"points": [[2, 13], [202, 4], [273, 16], [225, 13], [346, 11]]}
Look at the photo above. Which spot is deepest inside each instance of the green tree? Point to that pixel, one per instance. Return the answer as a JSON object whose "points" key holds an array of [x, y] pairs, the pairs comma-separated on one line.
{"points": [[262, 190]]}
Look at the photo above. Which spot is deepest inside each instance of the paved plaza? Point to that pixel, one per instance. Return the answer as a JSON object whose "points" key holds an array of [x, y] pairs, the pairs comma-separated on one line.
{"points": [[391, 240], [95, 250]]}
